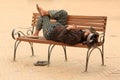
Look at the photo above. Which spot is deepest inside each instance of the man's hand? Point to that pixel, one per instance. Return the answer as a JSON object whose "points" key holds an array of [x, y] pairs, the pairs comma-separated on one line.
{"points": [[71, 27]]}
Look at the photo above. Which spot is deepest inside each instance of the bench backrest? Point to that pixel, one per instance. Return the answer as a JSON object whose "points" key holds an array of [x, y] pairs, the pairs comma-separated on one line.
{"points": [[97, 22]]}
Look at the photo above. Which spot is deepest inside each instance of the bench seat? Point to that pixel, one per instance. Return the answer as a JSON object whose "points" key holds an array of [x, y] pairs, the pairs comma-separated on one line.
{"points": [[42, 40]]}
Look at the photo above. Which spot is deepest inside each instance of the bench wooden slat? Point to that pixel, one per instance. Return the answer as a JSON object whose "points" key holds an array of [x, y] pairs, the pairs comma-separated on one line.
{"points": [[85, 24], [97, 29], [86, 17], [87, 20], [42, 40]]}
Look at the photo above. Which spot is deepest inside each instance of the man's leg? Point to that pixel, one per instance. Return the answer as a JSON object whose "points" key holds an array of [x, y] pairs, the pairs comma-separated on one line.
{"points": [[59, 15], [43, 23], [38, 27], [42, 12]]}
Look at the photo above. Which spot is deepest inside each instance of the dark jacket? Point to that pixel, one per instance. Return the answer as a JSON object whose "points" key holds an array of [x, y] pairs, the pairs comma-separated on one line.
{"points": [[71, 37]]}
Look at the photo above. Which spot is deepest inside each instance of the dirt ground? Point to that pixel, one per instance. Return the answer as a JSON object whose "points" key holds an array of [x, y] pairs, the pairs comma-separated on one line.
{"points": [[18, 13]]}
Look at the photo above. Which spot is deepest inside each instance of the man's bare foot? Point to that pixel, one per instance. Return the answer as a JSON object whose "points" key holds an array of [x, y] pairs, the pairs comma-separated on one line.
{"points": [[35, 36], [41, 11], [38, 9]]}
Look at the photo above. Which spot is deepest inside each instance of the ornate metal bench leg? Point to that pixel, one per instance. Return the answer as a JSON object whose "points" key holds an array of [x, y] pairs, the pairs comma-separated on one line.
{"points": [[64, 47], [87, 57], [15, 48], [31, 45], [102, 54], [89, 53], [51, 46]]}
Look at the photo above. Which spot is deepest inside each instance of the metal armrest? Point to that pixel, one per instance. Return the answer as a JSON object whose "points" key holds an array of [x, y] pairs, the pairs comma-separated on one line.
{"points": [[19, 31]]}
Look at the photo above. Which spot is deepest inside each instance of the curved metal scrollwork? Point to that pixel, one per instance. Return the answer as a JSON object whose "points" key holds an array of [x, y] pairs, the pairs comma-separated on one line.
{"points": [[101, 37], [17, 32]]}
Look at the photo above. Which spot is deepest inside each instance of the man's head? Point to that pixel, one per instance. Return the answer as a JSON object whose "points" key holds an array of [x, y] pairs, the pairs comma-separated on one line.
{"points": [[91, 36]]}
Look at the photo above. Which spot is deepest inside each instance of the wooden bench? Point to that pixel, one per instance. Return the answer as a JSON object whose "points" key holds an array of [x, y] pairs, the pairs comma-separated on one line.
{"points": [[97, 22]]}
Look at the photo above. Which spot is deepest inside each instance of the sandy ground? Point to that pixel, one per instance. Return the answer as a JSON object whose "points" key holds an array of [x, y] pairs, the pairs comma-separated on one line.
{"points": [[17, 13]]}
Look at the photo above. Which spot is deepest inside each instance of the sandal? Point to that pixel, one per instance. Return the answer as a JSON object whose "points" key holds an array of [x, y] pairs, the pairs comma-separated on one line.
{"points": [[41, 63]]}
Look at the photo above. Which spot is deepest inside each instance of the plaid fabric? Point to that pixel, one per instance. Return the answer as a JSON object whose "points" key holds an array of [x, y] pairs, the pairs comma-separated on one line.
{"points": [[44, 21]]}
